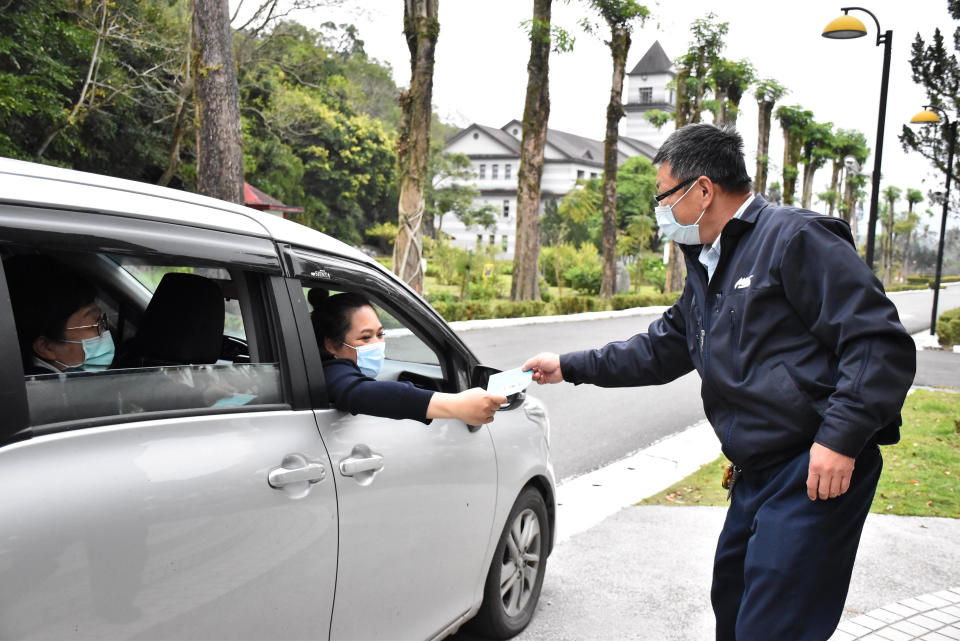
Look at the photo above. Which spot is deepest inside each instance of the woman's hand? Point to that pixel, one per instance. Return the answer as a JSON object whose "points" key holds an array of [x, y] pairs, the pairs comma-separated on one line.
{"points": [[474, 406]]}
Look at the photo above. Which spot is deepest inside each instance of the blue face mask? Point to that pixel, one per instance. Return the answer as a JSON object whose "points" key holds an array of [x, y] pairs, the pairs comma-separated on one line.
{"points": [[683, 234], [97, 353], [370, 357]]}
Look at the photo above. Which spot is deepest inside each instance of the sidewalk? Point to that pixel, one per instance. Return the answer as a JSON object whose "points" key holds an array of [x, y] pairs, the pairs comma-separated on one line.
{"points": [[644, 572]]}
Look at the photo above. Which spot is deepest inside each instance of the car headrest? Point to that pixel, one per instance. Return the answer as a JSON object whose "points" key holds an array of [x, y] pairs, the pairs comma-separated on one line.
{"points": [[183, 324]]}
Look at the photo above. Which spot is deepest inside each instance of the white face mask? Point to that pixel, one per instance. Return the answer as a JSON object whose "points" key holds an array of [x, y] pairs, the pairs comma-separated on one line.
{"points": [[370, 357], [683, 234]]}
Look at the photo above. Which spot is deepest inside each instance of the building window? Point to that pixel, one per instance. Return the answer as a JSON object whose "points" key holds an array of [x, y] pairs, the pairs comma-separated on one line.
{"points": [[580, 174], [506, 171], [483, 170], [503, 242], [593, 174], [494, 170], [506, 209], [479, 239], [493, 239], [646, 95]]}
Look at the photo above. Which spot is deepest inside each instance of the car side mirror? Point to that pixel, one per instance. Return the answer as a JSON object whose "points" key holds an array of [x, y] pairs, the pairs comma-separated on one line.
{"points": [[481, 376]]}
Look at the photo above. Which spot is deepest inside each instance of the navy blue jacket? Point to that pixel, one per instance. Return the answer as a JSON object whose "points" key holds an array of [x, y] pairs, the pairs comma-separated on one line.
{"points": [[793, 338], [352, 391]]}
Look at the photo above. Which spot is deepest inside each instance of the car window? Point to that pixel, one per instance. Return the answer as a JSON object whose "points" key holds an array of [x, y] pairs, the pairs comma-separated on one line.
{"points": [[179, 330], [150, 275], [403, 345]]}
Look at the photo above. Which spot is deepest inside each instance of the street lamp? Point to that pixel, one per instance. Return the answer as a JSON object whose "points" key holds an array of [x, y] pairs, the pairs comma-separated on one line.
{"points": [[844, 28], [929, 116]]}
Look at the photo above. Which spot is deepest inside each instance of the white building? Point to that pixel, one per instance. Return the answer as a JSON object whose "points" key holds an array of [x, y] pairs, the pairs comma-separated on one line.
{"points": [[495, 156]]}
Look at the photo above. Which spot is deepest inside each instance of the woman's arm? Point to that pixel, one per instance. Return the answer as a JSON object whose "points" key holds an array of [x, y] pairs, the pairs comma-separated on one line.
{"points": [[473, 406]]}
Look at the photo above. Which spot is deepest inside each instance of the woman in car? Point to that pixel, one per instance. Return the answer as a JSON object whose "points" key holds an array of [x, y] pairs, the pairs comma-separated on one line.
{"points": [[59, 325], [352, 345]]}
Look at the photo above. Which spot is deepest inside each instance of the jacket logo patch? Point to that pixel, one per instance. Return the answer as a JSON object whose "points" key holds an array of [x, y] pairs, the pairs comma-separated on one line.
{"points": [[743, 282]]}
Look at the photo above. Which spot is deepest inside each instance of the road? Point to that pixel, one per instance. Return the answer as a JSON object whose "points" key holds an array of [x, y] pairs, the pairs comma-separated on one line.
{"points": [[593, 426]]}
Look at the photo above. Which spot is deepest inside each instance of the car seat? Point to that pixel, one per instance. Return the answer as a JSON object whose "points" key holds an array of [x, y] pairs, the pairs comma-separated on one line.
{"points": [[182, 325]]}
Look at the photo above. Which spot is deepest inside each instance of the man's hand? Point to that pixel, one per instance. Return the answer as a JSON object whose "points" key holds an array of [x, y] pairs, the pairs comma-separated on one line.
{"points": [[546, 368], [829, 473]]}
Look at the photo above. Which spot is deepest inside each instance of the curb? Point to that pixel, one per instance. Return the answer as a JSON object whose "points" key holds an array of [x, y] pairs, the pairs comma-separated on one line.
{"points": [[494, 323]]}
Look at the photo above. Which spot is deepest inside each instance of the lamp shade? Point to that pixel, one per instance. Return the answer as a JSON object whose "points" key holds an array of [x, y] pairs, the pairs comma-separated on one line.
{"points": [[926, 116], [844, 27]]}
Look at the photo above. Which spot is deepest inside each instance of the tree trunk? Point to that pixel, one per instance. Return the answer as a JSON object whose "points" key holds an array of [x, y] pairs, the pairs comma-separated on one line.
{"points": [[536, 111], [808, 173], [619, 47], [421, 27], [764, 120], [682, 114], [834, 179], [789, 169], [673, 281], [219, 141]]}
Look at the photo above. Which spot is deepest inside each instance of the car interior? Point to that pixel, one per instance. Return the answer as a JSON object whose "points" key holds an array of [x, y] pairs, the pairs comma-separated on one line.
{"points": [[179, 345]]}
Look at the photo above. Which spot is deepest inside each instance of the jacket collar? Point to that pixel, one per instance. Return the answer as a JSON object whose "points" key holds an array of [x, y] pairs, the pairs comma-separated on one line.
{"points": [[737, 226]]}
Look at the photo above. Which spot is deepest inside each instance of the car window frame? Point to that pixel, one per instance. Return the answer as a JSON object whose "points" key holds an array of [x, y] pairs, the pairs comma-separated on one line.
{"points": [[384, 289], [55, 230]]}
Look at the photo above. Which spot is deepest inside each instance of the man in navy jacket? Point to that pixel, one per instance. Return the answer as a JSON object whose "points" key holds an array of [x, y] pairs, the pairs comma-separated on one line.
{"points": [[804, 367]]}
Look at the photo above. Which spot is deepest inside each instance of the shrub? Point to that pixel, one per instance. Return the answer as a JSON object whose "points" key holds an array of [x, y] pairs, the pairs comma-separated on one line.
{"points": [[948, 328], [545, 294], [580, 304], [586, 279], [628, 301], [441, 297]]}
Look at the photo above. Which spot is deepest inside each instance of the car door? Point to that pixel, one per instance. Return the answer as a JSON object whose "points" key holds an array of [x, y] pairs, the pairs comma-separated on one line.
{"points": [[416, 501], [177, 501]]}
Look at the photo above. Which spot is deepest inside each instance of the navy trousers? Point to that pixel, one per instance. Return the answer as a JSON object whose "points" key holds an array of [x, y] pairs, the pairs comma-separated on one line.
{"points": [[783, 562]]}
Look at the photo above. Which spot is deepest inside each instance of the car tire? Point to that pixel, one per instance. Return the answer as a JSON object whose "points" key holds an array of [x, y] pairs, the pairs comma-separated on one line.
{"points": [[512, 588]]}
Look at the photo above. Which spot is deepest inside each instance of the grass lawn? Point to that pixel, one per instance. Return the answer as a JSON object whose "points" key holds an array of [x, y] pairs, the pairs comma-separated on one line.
{"points": [[920, 473]]}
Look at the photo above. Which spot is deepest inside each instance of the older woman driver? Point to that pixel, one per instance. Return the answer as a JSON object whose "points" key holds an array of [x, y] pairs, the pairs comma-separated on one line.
{"points": [[352, 343]]}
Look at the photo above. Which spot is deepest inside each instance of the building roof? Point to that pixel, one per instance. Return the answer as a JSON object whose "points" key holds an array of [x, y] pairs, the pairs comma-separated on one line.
{"points": [[256, 199], [653, 62], [644, 148], [500, 135], [578, 148]]}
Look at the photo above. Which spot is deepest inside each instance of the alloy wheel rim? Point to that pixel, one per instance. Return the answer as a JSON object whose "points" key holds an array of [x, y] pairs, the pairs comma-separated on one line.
{"points": [[521, 563]]}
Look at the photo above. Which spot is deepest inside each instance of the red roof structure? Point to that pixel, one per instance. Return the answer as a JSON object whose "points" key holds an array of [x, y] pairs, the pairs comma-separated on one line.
{"points": [[256, 199]]}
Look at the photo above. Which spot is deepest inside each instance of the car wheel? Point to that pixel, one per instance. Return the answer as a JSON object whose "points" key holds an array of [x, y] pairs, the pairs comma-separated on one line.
{"points": [[513, 583]]}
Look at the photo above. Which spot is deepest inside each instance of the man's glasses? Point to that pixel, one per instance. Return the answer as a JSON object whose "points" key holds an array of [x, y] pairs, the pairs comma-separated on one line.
{"points": [[659, 197], [101, 325]]}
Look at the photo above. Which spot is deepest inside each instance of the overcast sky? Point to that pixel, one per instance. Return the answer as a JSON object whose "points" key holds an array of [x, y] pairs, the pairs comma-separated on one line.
{"points": [[481, 57]]}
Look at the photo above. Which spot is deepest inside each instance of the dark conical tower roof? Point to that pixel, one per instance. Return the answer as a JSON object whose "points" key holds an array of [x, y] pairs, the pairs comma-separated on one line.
{"points": [[653, 62]]}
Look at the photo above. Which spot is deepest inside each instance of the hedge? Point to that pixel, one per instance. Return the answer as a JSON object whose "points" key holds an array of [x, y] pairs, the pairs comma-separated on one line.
{"points": [[479, 309], [948, 328]]}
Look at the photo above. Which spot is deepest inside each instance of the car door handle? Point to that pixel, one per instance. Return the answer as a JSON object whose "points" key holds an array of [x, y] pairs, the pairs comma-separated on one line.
{"points": [[309, 473], [356, 465]]}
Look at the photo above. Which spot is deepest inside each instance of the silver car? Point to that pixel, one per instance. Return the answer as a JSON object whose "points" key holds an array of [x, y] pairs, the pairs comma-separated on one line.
{"points": [[202, 487]]}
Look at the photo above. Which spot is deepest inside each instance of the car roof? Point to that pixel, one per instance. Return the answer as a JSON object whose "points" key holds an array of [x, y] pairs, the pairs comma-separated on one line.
{"points": [[34, 184]]}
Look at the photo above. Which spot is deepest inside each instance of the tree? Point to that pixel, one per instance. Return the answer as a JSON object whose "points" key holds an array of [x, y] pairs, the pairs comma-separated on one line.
{"points": [[692, 84], [730, 80], [536, 111], [937, 70], [891, 194], [767, 93], [845, 142], [817, 149], [906, 226], [421, 27], [449, 192], [794, 122], [619, 16], [219, 146]]}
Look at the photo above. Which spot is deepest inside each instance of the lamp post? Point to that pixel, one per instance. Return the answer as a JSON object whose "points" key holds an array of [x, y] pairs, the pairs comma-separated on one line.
{"points": [[929, 116], [844, 28]]}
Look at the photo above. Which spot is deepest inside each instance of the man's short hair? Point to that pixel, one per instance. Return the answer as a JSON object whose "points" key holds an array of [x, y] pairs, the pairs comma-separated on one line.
{"points": [[706, 150]]}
